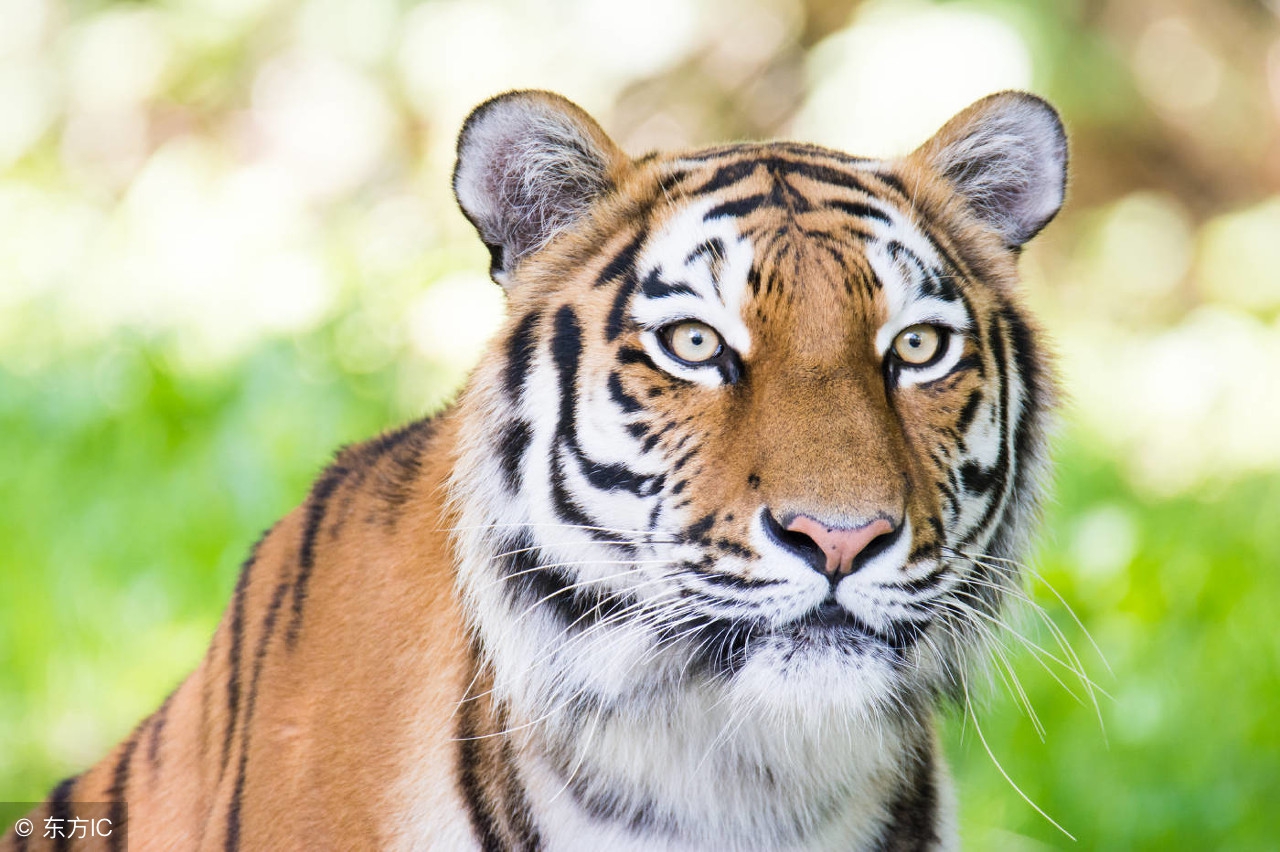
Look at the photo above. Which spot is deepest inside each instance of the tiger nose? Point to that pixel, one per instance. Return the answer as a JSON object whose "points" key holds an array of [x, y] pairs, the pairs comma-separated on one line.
{"points": [[840, 545]]}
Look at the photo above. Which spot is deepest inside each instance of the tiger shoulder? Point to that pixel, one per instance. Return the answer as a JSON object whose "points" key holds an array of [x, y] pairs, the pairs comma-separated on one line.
{"points": [[716, 524]]}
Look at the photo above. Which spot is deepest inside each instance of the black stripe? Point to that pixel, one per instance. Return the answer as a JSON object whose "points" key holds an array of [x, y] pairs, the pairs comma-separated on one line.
{"points": [[969, 411], [118, 795], [860, 210], [999, 470], [609, 476], [922, 584], [913, 814], [728, 581], [975, 479], [739, 207], [784, 195], [234, 652], [566, 352], [568, 509], [321, 492], [894, 182], [59, 809], [511, 449], [520, 349], [401, 471], [820, 173], [635, 355], [232, 842], [628, 403], [727, 176], [718, 646], [552, 589], [1026, 430], [669, 183], [654, 287], [616, 322], [699, 528], [518, 815], [470, 760], [622, 265], [1025, 356], [158, 720], [713, 248]]}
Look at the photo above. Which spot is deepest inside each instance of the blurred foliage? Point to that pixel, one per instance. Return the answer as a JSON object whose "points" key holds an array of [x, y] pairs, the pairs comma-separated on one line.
{"points": [[227, 246]]}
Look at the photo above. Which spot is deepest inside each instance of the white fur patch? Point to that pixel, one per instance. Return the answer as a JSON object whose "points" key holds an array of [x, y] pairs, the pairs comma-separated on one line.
{"points": [[718, 285]]}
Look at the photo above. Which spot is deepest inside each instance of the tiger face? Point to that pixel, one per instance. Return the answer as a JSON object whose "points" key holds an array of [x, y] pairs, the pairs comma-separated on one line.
{"points": [[765, 421]]}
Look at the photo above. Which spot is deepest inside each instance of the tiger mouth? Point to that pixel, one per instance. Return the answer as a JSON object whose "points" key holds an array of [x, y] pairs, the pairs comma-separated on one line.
{"points": [[830, 621]]}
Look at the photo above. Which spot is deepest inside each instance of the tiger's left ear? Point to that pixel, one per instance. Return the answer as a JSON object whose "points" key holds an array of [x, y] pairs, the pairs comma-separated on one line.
{"points": [[1007, 155], [530, 165]]}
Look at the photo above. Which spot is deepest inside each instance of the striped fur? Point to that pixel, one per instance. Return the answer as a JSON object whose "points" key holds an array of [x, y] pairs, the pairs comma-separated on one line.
{"points": [[562, 614]]}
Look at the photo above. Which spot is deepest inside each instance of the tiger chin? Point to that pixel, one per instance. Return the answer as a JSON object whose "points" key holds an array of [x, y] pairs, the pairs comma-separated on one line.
{"points": [[716, 524]]}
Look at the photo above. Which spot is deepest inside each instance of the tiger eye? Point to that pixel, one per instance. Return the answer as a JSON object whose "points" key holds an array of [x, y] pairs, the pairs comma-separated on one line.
{"points": [[692, 341], [918, 344]]}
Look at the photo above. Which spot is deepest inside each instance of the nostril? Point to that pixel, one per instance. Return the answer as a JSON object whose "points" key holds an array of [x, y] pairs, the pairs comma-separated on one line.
{"points": [[877, 545], [845, 548], [796, 542]]}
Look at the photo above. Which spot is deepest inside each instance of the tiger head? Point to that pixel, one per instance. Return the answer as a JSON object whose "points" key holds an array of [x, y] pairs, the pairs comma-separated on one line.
{"points": [[766, 420]]}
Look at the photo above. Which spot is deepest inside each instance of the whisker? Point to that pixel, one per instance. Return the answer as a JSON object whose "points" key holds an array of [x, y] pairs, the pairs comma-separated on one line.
{"points": [[1040, 577], [539, 525], [968, 703]]}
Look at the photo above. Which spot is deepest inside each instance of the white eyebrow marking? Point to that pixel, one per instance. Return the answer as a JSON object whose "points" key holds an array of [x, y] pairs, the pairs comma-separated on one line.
{"points": [[703, 285]]}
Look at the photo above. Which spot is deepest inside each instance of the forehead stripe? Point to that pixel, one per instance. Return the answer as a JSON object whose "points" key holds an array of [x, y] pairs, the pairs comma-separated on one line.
{"points": [[656, 288], [859, 210], [622, 263]]}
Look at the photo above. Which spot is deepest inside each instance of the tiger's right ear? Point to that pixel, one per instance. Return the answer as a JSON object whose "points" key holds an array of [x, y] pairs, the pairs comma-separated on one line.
{"points": [[530, 164]]}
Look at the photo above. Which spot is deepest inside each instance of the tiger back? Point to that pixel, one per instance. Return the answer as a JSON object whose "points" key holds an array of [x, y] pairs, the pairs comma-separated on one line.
{"points": [[721, 516]]}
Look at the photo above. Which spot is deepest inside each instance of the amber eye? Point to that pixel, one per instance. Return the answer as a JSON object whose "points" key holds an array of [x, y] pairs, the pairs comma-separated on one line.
{"points": [[919, 344], [692, 341]]}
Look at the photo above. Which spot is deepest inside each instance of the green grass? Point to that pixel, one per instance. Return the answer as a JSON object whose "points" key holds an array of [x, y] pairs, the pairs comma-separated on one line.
{"points": [[130, 491]]}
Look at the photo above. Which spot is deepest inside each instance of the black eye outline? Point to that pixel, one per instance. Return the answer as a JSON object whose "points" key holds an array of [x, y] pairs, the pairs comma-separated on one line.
{"points": [[725, 360], [944, 346]]}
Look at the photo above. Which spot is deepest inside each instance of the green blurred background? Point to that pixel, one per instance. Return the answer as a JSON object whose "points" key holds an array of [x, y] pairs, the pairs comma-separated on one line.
{"points": [[227, 245]]}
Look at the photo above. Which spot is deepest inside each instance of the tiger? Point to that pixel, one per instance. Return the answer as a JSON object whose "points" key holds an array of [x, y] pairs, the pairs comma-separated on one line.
{"points": [[699, 553]]}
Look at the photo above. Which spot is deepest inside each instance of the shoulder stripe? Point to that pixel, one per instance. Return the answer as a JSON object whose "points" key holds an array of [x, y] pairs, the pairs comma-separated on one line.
{"points": [[59, 800], [232, 840], [119, 794], [234, 652], [158, 721], [321, 492]]}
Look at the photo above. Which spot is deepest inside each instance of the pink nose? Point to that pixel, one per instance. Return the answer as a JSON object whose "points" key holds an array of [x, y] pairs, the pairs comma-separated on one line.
{"points": [[841, 546]]}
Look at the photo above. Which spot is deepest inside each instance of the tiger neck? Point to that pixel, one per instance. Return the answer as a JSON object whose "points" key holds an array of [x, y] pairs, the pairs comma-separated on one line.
{"points": [[690, 771]]}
